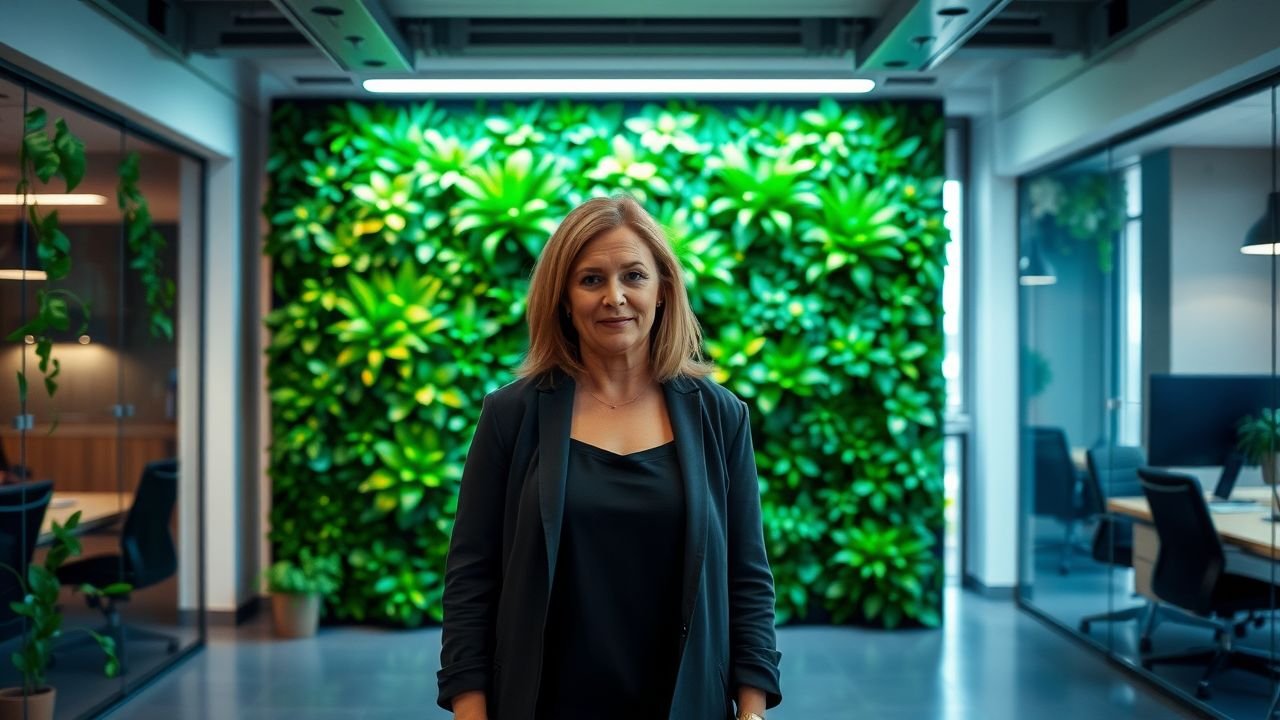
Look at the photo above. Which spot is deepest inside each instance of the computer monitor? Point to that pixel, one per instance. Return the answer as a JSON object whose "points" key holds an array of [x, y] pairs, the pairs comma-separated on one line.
{"points": [[1192, 420]]}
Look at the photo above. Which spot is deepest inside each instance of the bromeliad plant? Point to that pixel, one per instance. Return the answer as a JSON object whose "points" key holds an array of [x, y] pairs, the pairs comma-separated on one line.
{"points": [[812, 242]]}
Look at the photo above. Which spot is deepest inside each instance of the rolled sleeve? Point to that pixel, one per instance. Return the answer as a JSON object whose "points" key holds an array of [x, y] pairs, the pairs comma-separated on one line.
{"points": [[754, 658]]}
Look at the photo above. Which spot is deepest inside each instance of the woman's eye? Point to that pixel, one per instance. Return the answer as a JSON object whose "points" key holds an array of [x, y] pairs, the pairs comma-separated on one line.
{"points": [[636, 276], [590, 279]]}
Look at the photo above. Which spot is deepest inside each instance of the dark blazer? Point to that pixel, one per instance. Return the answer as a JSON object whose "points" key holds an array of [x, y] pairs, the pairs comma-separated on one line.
{"points": [[507, 530]]}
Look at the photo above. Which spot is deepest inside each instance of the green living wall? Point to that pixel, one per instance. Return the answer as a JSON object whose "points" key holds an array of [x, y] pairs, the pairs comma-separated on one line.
{"points": [[402, 238]]}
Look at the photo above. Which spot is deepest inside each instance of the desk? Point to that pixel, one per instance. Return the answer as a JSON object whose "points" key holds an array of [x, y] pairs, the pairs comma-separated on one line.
{"points": [[96, 510], [1250, 532]]}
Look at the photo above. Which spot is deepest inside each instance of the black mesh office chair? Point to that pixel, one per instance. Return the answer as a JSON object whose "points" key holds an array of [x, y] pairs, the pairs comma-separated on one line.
{"points": [[1113, 472], [1057, 486], [147, 555], [22, 509], [1191, 574]]}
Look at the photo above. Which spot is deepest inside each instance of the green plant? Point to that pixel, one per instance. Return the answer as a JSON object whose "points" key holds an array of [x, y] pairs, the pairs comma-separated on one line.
{"points": [[39, 606], [45, 158], [309, 574], [1258, 438], [812, 242], [1036, 371], [145, 244], [1088, 207]]}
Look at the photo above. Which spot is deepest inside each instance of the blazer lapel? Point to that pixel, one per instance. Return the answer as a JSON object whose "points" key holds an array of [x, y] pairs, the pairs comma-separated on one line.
{"points": [[555, 418], [684, 406]]}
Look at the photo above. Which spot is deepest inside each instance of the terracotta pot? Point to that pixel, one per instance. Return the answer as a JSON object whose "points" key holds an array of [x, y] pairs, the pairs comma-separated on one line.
{"points": [[295, 616], [39, 706]]}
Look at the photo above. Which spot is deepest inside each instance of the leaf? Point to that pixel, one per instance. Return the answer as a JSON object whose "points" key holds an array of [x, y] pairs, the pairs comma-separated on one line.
{"points": [[70, 151]]}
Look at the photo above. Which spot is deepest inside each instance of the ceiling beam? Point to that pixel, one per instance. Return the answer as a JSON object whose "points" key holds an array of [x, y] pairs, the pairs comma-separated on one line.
{"points": [[357, 35], [921, 34]]}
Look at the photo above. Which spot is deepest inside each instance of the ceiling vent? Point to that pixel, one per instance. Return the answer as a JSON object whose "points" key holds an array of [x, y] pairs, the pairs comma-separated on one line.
{"points": [[652, 36]]}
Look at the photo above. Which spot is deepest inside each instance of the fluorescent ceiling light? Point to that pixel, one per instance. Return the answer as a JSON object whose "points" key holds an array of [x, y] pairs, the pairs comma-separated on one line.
{"points": [[620, 86], [53, 199]]}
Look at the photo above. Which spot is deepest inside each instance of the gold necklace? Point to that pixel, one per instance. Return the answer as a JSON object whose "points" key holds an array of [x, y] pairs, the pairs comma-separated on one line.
{"points": [[612, 406]]}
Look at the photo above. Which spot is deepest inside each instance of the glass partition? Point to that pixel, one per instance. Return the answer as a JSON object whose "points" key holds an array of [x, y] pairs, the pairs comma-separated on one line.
{"points": [[1149, 357], [1066, 268], [99, 299]]}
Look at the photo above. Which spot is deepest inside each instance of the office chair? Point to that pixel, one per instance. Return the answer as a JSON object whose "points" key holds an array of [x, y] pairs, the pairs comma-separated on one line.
{"points": [[147, 556], [22, 510], [1191, 574], [1057, 486], [1114, 471]]}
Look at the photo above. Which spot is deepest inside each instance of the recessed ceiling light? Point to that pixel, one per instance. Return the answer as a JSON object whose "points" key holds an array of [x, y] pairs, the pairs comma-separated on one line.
{"points": [[621, 86], [953, 11]]}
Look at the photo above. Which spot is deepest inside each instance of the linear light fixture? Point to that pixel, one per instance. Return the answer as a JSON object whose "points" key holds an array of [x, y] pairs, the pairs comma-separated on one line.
{"points": [[19, 274], [620, 86], [53, 199]]}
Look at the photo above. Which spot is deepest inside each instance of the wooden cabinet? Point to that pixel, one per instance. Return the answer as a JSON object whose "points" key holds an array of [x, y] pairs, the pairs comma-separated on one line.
{"points": [[92, 458]]}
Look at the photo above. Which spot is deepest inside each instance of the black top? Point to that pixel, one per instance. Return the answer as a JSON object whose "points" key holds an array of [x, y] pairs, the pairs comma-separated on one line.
{"points": [[613, 630]]}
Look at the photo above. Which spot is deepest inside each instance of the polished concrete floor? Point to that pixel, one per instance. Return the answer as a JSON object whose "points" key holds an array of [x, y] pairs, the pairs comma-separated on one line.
{"points": [[990, 661], [1090, 588]]}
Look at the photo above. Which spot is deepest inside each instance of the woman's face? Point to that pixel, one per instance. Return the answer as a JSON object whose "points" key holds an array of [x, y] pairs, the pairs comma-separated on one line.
{"points": [[613, 294]]}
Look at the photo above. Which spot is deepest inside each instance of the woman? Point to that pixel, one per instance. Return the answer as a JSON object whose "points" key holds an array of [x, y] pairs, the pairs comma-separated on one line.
{"points": [[616, 468]]}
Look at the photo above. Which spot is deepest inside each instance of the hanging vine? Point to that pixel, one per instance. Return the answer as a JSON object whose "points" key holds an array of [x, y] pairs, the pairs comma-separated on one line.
{"points": [[45, 158], [145, 244]]}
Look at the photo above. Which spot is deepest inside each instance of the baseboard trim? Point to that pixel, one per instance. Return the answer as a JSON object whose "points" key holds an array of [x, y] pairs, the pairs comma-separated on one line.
{"points": [[975, 585], [246, 611]]}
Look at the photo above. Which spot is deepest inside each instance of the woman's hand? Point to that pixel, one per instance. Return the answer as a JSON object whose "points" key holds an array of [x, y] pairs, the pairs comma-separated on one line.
{"points": [[470, 705]]}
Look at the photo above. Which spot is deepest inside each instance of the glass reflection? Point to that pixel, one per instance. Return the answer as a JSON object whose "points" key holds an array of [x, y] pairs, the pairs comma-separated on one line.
{"points": [[105, 446], [1149, 357]]}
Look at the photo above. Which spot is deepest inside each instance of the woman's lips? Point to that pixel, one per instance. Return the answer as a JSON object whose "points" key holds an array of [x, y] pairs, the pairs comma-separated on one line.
{"points": [[617, 322]]}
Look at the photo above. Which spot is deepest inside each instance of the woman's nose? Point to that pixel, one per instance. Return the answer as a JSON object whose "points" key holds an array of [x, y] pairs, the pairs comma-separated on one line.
{"points": [[614, 295]]}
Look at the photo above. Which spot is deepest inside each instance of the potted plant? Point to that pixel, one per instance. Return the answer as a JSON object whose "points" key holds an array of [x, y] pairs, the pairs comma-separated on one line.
{"points": [[296, 587], [1258, 439], [35, 700]]}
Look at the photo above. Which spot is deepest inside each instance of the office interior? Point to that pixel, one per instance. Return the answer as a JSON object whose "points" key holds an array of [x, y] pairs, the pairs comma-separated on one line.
{"points": [[1109, 310], [1150, 344]]}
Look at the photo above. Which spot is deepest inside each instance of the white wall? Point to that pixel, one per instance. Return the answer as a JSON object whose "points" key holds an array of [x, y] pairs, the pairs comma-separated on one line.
{"points": [[208, 107], [991, 494], [1220, 299]]}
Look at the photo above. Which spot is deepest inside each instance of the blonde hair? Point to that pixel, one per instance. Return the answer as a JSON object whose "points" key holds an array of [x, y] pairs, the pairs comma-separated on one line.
{"points": [[675, 343]]}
